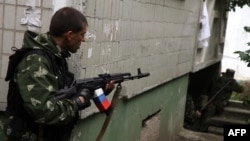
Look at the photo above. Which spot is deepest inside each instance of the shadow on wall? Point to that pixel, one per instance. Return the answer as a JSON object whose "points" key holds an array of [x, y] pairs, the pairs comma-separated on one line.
{"points": [[199, 81]]}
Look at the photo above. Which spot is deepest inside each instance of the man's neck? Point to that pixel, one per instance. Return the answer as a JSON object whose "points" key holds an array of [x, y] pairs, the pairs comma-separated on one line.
{"points": [[60, 42]]}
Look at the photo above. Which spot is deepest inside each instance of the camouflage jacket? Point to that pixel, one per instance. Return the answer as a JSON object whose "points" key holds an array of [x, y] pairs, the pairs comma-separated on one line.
{"points": [[38, 83]]}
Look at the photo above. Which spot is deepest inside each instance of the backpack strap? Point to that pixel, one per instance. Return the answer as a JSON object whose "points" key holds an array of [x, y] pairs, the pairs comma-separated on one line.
{"points": [[17, 57]]}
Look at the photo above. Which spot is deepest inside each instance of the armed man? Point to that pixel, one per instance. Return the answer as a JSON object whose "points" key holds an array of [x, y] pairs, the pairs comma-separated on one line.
{"points": [[44, 98], [220, 94], [34, 112]]}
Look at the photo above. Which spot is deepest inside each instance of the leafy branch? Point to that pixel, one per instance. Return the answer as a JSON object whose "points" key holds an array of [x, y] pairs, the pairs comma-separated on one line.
{"points": [[245, 55], [232, 4]]}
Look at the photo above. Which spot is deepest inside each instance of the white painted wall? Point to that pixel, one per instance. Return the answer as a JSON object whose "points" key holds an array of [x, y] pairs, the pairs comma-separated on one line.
{"points": [[237, 39]]}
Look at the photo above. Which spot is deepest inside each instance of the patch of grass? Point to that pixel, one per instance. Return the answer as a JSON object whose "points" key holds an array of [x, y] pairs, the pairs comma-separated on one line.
{"points": [[245, 94]]}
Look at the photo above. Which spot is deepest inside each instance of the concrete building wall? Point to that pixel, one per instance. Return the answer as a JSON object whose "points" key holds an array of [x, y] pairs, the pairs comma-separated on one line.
{"points": [[158, 36], [127, 120], [213, 53], [123, 36]]}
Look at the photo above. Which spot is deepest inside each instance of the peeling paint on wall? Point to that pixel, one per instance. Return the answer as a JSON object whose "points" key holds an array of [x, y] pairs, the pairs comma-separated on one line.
{"points": [[32, 16], [106, 29], [157, 43], [89, 37], [78, 4], [90, 52], [110, 30], [81, 5]]}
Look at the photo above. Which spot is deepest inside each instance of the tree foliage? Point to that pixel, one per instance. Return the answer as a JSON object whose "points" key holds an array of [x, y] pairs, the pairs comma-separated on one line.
{"points": [[245, 55], [232, 4]]}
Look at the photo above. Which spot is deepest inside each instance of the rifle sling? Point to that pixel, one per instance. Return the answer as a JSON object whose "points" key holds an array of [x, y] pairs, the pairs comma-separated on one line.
{"points": [[211, 99], [108, 118]]}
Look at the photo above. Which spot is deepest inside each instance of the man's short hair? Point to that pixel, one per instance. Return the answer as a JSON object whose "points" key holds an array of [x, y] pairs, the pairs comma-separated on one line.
{"points": [[66, 19]]}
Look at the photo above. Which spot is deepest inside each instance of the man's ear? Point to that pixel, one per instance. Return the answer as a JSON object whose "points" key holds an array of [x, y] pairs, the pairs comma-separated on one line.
{"points": [[68, 35]]}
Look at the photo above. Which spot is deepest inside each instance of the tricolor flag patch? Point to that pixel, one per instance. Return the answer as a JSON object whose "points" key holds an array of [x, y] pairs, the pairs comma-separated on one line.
{"points": [[101, 100]]}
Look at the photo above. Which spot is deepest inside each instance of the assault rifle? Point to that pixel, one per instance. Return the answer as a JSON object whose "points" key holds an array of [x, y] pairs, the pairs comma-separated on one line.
{"points": [[96, 86]]}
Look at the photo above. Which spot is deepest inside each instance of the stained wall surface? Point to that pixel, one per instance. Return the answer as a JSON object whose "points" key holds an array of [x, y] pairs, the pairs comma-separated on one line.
{"points": [[158, 36]]}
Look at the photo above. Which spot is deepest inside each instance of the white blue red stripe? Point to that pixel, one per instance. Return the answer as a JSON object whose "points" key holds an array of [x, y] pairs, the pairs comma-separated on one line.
{"points": [[101, 100]]}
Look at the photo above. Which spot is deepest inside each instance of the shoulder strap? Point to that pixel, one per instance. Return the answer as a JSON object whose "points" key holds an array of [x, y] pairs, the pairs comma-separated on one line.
{"points": [[66, 77], [18, 55]]}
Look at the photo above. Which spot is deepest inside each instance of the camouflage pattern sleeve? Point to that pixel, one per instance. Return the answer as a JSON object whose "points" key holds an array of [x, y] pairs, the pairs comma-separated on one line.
{"points": [[237, 87], [37, 85]]}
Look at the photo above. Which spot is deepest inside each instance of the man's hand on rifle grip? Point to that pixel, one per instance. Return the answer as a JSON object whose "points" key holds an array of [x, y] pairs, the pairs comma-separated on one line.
{"points": [[109, 87], [82, 99]]}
